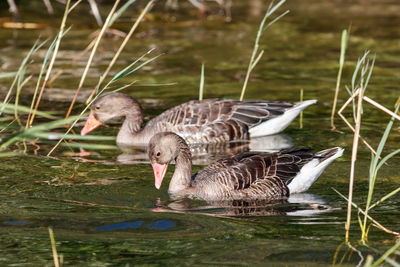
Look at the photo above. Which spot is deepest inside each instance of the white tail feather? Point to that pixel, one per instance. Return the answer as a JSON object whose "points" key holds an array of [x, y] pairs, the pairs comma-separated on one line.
{"points": [[278, 124], [310, 173]]}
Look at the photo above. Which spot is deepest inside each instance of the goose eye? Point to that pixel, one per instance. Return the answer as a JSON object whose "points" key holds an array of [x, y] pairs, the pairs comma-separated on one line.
{"points": [[158, 154], [97, 107]]}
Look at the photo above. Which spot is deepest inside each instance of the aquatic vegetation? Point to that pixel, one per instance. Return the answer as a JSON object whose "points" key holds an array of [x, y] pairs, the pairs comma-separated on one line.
{"points": [[41, 131], [256, 56], [359, 83], [142, 226]]}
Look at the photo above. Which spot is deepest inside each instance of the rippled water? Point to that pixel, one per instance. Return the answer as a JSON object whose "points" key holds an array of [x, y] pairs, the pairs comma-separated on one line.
{"points": [[104, 208]]}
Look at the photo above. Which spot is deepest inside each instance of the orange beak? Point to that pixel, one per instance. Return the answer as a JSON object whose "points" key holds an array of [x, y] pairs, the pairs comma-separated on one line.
{"points": [[91, 124], [159, 173]]}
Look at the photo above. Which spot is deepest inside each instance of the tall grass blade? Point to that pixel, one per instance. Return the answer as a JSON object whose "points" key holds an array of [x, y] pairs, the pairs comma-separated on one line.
{"points": [[301, 113], [374, 165], [53, 58], [275, 20], [369, 73], [91, 146], [343, 47], [119, 75], [392, 262], [376, 223], [386, 158], [89, 62], [9, 108], [95, 12], [42, 70], [201, 87], [128, 36], [386, 254], [120, 11], [384, 198], [353, 161], [53, 248], [57, 136], [253, 60], [128, 70], [21, 70], [6, 75]]}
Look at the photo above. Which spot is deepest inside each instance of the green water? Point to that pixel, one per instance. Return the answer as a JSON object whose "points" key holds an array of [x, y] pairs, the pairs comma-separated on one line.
{"points": [[104, 212]]}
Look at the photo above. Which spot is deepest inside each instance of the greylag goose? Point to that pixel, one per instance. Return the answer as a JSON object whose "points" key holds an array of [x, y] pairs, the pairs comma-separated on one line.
{"points": [[206, 121], [244, 176]]}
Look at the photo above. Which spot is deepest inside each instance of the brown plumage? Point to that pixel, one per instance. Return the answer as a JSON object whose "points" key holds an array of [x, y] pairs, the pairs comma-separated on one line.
{"points": [[206, 121], [244, 176]]}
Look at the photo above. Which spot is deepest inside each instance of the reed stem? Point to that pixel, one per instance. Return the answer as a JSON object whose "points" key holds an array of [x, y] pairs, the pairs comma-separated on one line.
{"points": [[343, 47], [353, 160], [122, 46], [201, 87], [103, 29], [60, 34], [301, 113]]}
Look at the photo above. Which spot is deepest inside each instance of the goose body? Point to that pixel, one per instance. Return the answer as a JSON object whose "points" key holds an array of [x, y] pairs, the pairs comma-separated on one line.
{"points": [[244, 176], [205, 121]]}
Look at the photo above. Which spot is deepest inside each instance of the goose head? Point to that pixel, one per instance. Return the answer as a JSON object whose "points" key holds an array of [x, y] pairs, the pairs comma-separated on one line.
{"points": [[112, 106], [163, 148]]}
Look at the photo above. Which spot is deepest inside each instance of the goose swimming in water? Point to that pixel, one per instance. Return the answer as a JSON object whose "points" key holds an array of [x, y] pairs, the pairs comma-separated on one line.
{"points": [[197, 121], [244, 176]]}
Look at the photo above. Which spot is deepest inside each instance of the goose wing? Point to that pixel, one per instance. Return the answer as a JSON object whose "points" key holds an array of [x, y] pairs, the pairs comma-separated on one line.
{"points": [[254, 175], [218, 120]]}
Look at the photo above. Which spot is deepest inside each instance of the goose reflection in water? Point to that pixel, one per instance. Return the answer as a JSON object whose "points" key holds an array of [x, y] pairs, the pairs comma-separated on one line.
{"points": [[302, 205], [204, 154]]}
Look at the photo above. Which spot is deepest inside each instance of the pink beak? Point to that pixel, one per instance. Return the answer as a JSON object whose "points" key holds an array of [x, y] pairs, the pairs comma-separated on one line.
{"points": [[159, 173], [91, 124]]}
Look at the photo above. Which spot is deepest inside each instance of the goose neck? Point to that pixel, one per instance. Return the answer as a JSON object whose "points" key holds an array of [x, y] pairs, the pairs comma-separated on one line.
{"points": [[183, 170]]}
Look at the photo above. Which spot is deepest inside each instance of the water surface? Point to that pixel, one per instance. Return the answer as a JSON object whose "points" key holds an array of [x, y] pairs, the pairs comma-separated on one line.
{"points": [[104, 208]]}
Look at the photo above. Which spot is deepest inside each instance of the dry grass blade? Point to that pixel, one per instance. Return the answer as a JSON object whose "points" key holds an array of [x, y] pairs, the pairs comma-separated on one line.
{"points": [[91, 44], [201, 87], [353, 162], [122, 46], [126, 71], [95, 11], [29, 121], [379, 106], [74, 5], [120, 11], [348, 123], [49, 7], [103, 29], [73, 61], [14, 9], [60, 35], [301, 113]]}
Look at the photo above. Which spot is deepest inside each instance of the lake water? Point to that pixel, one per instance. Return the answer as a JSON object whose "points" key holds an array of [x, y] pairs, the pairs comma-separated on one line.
{"points": [[104, 209]]}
